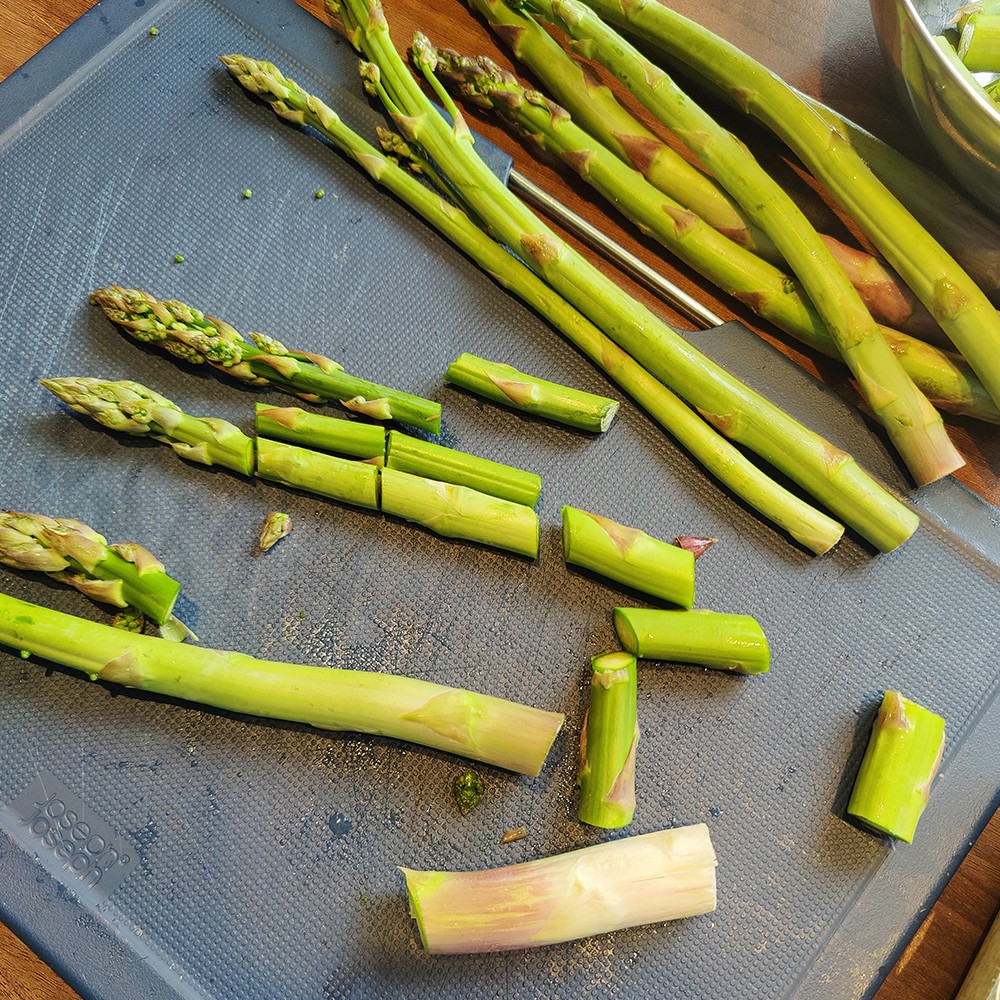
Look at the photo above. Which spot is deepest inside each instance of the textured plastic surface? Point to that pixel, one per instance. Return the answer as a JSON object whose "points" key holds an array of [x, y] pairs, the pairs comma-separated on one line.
{"points": [[267, 851]]}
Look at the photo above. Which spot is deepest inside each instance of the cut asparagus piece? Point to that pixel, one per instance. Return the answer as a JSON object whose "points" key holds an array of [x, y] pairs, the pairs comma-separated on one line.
{"points": [[628, 555], [727, 463], [951, 297], [124, 575], [131, 408], [506, 385], [460, 512], [478, 726], [899, 765], [342, 479], [941, 375], [708, 638], [828, 474], [979, 45], [192, 336], [608, 743], [666, 875], [294, 425], [426, 458], [912, 424]]}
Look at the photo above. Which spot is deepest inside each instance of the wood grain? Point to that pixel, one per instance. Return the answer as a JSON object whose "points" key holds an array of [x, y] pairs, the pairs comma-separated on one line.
{"points": [[826, 48]]}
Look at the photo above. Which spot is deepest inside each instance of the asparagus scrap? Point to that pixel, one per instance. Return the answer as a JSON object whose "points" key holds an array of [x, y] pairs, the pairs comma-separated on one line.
{"points": [[131, 408], [913, 425], [276, 525], [744, 415], [941, 375], [898, 768], [979, 44], [478, 726], [508, 386], [727, 463], [629, 882], [952, 298], [123, 575], [707, 638], [194, 337], [608, 742], [628, 555]]}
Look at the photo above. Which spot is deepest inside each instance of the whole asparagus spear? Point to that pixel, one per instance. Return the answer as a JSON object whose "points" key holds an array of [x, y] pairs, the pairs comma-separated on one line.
{"points": [[124, 575], [192, 336], [727, 463], [913, 425], [942, 376], [953, 299], [744, 415], [504, 733]]}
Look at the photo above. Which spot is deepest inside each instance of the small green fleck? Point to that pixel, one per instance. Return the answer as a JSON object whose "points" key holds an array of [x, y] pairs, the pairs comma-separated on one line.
{"points": [[320, 193], [247, 192], [25, 653], [129, 620], [363, 899], [154, 30], [178, 258], [469, 789], [302, 615]]}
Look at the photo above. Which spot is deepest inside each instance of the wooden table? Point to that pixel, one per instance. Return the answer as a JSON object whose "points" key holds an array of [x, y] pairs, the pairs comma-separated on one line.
{"points": [[825, 48]]}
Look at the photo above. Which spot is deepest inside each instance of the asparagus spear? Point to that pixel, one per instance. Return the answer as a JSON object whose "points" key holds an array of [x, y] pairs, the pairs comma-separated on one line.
{"points": [[124, 575], [952, 298], [131, 408], [506, 385], [898, 768], [318, 430], [913, 425], [708, 638], [192, 336], [478, 726], [460, 512], [448, 465], [727, 463], [742, 414], [628, 555], [342, 479], [608, 743], [659, 876], [942, 376]]}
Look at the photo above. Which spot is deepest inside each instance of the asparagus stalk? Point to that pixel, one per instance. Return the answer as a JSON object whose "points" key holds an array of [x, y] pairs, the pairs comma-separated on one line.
{"points": [[979, 44], [435, 461], [608, 743], [743, 415], [899, 765], [131, 408], [460, 512], [952, 298], [124, 575], [942, 376], [506, 385], [192, 336], [478, 726], [727, 463], [294, 425], [343, 479], [628, 555], [913, 425], [708, 638], [666, 875]]}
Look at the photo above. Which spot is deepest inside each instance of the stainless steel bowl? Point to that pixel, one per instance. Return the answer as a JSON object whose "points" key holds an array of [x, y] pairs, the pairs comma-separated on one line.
{"points": [[961, 123]]}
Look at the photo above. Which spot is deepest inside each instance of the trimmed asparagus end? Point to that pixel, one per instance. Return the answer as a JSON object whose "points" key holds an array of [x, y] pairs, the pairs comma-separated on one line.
{"points": [[708, 638], [660, 876], [608, 743], [628, 556], [898, 768]]}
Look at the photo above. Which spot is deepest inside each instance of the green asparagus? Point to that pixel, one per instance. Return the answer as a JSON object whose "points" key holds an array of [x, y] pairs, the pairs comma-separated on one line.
{"points": [[506, 385], [294, 425], [608, 743], [979, 45], [810, 527], [478, 726], [124, 575], [342, 479], [276, 525], [192, 336]]}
